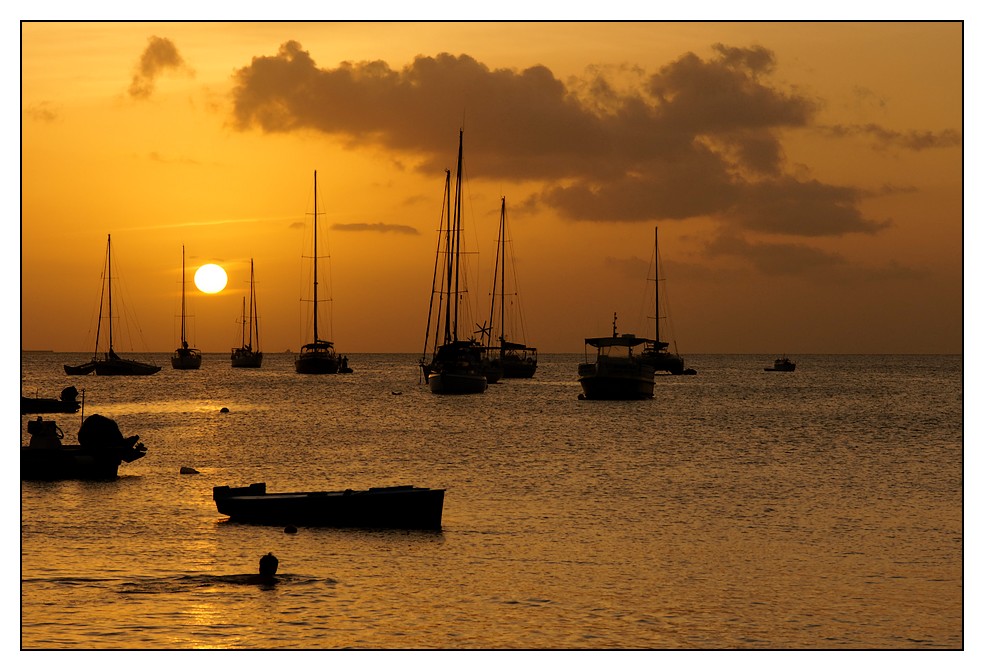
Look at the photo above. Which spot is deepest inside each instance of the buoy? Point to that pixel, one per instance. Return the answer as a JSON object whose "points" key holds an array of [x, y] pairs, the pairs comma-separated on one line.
{"points": [[290, 529], [188, 470], [224, 410]]}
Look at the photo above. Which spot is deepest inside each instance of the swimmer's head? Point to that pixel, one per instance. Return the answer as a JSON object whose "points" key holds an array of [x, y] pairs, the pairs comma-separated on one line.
{"points": [[268, 565]]}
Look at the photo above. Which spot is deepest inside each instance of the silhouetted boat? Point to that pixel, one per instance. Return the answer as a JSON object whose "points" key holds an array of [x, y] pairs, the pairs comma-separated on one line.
{"points": [[111, 363], [656, 352], [617, 373], [515, 360], [782, 365], [185, 358], [318, 357], [245, 356], [67, 403], [403, 507], [101, 450], [456, 366]]}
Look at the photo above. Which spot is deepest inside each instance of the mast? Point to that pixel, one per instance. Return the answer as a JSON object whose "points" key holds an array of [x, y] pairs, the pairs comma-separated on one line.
{"points": [[656, 269], [500, 258], [315, 256], [253, 316], [184, 340], [109, 283], [456, 261]]}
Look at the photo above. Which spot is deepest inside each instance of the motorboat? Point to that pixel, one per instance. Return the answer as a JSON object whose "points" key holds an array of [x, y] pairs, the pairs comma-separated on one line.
{"points": [[618, 372], [399, 507], [783, 365], [101, 450]]}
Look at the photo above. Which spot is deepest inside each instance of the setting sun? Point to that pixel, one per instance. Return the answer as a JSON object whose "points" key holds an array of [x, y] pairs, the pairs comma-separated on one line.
{"points": [[210, 278]]}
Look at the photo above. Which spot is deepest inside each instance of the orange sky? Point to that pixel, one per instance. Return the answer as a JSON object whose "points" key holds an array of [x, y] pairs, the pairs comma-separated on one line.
{"points": [[806, 178]]}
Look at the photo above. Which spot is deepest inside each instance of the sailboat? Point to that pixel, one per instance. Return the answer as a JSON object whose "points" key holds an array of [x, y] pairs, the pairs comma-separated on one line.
{"points": [[185, 358], [318, 357], [456, 365], [245, 356], [656, 352], [516, 360], [111, 363]]}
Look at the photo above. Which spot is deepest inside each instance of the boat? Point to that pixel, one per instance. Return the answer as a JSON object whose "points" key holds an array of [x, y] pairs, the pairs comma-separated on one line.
{"points": [[68, 402], [318, 357], [185, 358], [245, 356], [400, 507], [515, 360], [98, 456], [657, 352], [617, 373], [456, 366], [782, 365], [111, 363]]}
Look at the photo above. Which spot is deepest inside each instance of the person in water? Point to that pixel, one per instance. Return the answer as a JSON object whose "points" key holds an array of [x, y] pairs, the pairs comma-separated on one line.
{"points": [[268, 566]]}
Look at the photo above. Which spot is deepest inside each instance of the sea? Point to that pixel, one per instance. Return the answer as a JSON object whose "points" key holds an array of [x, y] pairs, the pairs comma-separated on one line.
{"points": [[738, 509]]}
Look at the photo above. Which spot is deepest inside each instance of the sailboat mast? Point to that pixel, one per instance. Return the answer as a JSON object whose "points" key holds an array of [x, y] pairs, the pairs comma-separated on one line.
{"points": [[495, 281], [109, 283], [253, 317], [448, 245], [457, 235], [184, 340], [102, 296], [502, 279], [656, 270], [316, 256]]}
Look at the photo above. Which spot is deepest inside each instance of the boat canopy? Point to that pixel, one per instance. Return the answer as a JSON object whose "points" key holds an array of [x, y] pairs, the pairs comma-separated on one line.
{"points": [[617, 341]]}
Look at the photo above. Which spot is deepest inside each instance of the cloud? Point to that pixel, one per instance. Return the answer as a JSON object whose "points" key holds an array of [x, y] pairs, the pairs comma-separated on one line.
{"points": [[376, 228], [42, 111], [160, 56], [790, 260], [884, 138], [697, 137]]}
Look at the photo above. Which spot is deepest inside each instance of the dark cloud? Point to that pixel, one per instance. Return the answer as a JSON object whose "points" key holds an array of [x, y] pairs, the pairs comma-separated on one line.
{"points": [[699, 137], [160, 55], [376, 228], [808, 208], [884, 138]]}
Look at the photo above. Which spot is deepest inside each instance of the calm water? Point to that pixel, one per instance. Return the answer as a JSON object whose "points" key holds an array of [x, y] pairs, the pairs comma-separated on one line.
{"points": [[738, 509]]}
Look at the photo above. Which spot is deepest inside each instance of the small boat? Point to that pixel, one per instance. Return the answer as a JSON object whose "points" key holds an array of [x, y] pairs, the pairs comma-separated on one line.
{"points": [[68, 402], [782, 365], [185, 358], [111, 363], [101, 450], [318, 357], [657, 352], [617, 373], [456, 366], [245, 356], [515, 360], [401, 507]]}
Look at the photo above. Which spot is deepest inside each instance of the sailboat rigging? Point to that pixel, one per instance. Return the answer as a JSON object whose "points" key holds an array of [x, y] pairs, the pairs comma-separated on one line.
{"points": [[318, 357], [656, 352], [185, 358], [111, 363], [245, 356], [516, 360], [456, 366]]}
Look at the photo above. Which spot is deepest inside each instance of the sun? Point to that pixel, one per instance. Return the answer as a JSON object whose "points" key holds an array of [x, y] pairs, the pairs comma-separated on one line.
{"points": [[210, 278]]}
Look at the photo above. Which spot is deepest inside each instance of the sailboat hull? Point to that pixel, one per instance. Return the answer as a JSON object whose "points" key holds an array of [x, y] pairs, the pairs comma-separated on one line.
{"points": [[450, 382], [81, 369], [125, 367], [246, 359], [316, 365], [186, 359]]}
